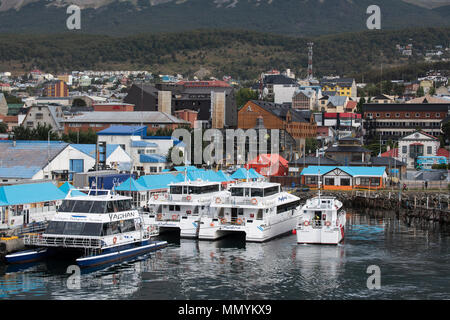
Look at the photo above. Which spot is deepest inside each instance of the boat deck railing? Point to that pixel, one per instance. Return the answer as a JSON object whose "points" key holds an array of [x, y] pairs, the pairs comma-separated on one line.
{"points": [[62, 241]]}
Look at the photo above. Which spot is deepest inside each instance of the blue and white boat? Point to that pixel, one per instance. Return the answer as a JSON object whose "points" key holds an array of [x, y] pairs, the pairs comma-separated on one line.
{"points": [[97, 228]]}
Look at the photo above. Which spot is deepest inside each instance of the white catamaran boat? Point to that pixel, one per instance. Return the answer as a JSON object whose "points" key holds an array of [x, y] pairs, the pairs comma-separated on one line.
{"points": [[322, 221], [184, 206], [97, 228], [259, 209]]}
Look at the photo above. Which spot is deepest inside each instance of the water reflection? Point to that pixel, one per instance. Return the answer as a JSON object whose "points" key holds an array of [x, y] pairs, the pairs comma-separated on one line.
{"points": [[414, 264]]}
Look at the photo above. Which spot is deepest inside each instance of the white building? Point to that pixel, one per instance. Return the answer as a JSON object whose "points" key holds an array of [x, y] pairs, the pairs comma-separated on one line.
{"points": [[148, 153], [283, 93], [36, 160], [414, 145]]}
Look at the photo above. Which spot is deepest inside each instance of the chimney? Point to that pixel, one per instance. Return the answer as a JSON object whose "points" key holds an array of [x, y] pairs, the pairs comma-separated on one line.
{"points": [[165, 101]]}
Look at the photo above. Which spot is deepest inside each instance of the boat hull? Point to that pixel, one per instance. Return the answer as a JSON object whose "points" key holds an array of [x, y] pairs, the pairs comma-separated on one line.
{"points": [[120, 255], [309, 235], [254, 232], [27, 256]]}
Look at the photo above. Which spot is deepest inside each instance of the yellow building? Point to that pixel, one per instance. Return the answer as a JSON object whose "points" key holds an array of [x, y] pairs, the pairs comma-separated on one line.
{"points": [[345, 87]]}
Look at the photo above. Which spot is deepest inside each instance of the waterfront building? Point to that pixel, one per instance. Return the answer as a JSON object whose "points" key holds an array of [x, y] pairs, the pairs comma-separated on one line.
{"points": [[24, 204], [344, 177]]}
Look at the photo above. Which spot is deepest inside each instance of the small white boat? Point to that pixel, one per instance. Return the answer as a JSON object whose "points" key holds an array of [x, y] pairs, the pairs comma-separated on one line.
{"points": [[322, 221]]}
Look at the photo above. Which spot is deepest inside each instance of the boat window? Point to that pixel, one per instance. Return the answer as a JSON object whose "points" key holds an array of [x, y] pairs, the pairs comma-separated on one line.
{"points": [[92, 229], [73, 228], [55, 227], [106, 230], [176, 189], [110, 207], [237, 192], [211, 188], [110, 228], [66, 206], [270, 191], [98, 207], [257, 192], [82, 206], [259, 215], [127, 225], [288, 206], [125, 205]]}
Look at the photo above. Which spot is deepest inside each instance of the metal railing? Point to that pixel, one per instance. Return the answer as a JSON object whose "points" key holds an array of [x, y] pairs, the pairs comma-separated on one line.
{"points": [[68, 242], [32, 227]]}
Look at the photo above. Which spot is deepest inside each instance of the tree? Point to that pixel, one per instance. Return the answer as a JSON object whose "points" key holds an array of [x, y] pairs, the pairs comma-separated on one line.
{"points": [[446, 130], [3, 127], [420, 92], [432, 91], [360, 104], [243, 95], [310, 145]]}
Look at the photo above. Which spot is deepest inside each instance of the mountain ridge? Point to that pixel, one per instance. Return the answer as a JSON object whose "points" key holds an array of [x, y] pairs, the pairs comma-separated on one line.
{"points": [[293, 17]]}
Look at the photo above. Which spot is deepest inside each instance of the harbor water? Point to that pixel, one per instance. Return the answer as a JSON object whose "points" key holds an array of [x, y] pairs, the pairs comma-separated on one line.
{"points": [[413, 262]]}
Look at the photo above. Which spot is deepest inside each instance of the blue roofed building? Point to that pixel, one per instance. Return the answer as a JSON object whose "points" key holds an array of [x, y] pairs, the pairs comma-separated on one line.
{"points": [[344, 177], [24, 204], [148, 153]]}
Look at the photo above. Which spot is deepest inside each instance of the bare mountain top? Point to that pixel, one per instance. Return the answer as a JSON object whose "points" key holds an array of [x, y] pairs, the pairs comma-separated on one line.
{"points": [[431, 4], [18, 4]]}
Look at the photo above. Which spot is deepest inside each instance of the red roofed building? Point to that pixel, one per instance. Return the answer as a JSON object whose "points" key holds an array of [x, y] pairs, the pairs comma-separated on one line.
{"points": [[393, 153], [269, 165], [351, 106], [443, 153]]}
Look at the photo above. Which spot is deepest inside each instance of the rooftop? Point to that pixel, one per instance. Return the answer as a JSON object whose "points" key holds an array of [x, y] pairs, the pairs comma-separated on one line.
{"points": [[125, 117]]}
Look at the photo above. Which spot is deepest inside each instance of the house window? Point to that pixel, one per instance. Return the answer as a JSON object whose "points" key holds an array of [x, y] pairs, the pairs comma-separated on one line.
{"points": [[345, 181], [438, 115], [388, 115], [427, 115], [397, 115], [377, 115], [430, 150], [329, 181], [405, 149], [417, 115], [407, 115]]}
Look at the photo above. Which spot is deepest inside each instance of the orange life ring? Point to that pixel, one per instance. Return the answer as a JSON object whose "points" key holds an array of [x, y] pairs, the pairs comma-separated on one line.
{"points": [[239, 221], [218, 200], [114, 240], [211, 224], [159, 216], [306, 223], [328, 223], [166, 195], [155, 196], [174, 217], [254, 201], [188, 198], [148, 229]]}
